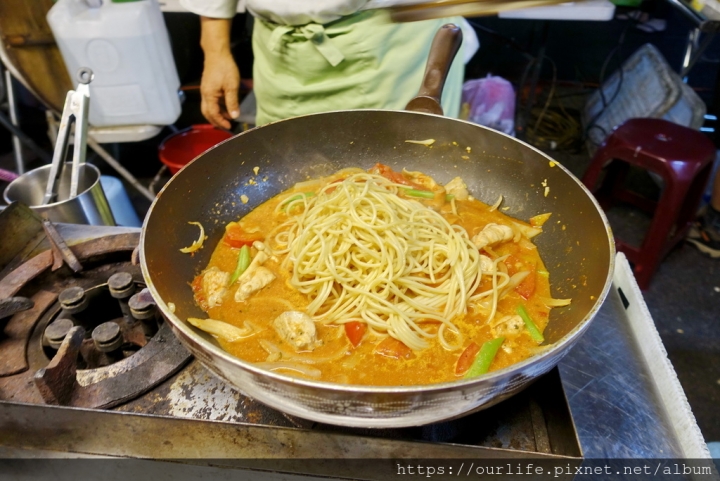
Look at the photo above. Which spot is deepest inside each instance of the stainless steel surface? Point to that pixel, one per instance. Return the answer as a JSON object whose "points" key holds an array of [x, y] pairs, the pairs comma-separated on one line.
{"points": [[194, 415], [615, 404], [576, 245], [89, 207], [628, 362]]}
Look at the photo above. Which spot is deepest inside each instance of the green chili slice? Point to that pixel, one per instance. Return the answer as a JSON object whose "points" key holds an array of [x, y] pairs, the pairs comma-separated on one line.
{"points": [[425, 194], [530, 325], [484, 358], [242, 264], [297, 197]]}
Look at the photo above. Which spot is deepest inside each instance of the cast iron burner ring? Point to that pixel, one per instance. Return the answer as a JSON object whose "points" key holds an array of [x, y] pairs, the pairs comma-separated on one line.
{"points": [[84, 347]]}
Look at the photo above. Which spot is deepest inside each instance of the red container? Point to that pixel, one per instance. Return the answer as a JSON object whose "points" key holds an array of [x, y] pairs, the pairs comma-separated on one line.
{"points": [[181, 147]]}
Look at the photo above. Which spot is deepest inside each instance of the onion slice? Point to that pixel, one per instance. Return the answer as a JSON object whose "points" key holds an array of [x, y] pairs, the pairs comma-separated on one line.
{"points": [[308, 371], [528, 231], [426, 142], [278, 352], [514, 281], [540, 219], [196, 244], [550, 302], [222, 330]]}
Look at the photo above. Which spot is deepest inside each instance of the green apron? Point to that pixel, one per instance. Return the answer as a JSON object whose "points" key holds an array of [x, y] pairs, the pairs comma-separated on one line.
{"points": [[362, 61]]}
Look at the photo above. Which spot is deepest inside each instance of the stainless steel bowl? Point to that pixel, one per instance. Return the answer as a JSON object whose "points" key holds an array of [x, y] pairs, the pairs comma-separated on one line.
{"points": [[90, 206]]}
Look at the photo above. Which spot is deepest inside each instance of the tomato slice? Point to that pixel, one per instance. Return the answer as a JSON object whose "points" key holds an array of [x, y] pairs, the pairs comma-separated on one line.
{"points": [[355, 330], [198, 291], [466, 359], [527, 287], [391, 175], [391, 347], [236, 237], [332, 187]]}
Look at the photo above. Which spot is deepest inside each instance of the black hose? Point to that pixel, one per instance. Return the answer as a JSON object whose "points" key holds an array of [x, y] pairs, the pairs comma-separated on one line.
{"points": [[27, 141]]}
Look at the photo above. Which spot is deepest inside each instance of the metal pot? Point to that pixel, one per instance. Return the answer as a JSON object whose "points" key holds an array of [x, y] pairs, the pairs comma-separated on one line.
{"points": [[576, 245], [90, 206]]}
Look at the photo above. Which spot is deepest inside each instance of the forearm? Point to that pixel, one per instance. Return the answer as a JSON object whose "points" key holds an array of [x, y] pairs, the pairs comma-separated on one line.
{"points": [[221, 78], [215, 37]]}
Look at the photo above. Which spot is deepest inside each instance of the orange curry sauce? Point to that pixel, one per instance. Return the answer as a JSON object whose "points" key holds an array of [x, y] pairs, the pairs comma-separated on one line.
{"points": [[381, 361]]}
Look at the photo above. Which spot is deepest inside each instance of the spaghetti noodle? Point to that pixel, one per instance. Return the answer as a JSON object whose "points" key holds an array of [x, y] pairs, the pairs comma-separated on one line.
{"points": [[360, 251]]}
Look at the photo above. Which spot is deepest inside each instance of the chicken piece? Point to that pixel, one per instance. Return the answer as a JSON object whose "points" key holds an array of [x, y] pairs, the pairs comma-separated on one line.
{"points": [[423, 180], [492, 234], [214, 285], [486, 264], [297, 329], [458, 188], [257, 261], [259, 278], [509, 326]]}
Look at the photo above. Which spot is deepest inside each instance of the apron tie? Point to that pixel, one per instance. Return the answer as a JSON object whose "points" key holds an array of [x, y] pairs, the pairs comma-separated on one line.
{"points": [[313, 32]]}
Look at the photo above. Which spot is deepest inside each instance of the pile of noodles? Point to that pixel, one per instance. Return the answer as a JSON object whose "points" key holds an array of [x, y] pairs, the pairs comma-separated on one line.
{"points": [[361, 252]]}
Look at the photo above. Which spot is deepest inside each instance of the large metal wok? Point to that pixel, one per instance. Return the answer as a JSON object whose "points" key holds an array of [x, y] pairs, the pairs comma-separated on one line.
{"points": [[576, 245]]}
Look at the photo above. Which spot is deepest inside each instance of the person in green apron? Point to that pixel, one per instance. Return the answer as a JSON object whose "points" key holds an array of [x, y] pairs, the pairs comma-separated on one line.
{"points": [[330, 56]]}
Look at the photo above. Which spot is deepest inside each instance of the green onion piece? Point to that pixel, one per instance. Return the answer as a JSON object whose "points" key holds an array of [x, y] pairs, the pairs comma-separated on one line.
{"points": [[449, 197], [425, 194], [484, 358], [531, 327], [544, 273], [297, 197], [242, 264]]}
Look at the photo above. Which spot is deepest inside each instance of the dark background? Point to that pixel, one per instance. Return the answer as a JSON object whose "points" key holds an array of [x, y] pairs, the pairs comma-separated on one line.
{"points": [[577, 48]]}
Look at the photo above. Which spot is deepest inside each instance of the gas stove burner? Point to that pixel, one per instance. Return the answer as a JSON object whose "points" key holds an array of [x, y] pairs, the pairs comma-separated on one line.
{"points": [[93, 338]]}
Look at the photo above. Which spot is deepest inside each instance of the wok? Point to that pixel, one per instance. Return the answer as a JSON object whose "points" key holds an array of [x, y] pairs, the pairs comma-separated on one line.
{"points": [[576, 245]]}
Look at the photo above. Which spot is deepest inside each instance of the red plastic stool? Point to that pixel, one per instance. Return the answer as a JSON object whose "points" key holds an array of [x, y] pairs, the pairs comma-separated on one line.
{"points": [[681, 156]]}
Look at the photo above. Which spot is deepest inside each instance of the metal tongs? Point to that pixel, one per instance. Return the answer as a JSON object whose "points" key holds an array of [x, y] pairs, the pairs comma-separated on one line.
{"points": [[75, 110]]}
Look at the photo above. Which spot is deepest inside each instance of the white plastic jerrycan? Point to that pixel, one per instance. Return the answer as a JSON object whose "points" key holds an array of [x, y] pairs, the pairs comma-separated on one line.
{"points": [[126, 45]]}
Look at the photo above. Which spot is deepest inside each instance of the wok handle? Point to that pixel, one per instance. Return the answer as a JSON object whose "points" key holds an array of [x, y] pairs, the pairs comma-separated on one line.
{"points": [[444, 47]]}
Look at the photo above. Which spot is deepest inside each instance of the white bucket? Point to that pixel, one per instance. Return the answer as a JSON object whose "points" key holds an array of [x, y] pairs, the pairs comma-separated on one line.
{"points": [[128, 49]]}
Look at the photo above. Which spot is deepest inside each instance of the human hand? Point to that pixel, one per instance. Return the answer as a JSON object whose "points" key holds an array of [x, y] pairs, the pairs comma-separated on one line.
{"points": [[219, 90]]}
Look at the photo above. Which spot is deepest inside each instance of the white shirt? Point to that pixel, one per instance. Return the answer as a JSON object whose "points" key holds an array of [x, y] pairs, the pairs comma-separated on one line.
{"points": [[284, 12]]}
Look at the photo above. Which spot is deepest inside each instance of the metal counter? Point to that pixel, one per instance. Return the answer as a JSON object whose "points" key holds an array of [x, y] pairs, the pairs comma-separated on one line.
{"points": [[623, 395]]}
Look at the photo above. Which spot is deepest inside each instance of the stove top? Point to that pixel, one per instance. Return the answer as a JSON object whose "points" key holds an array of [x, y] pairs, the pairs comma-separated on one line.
{"points": [[93, 339]]}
